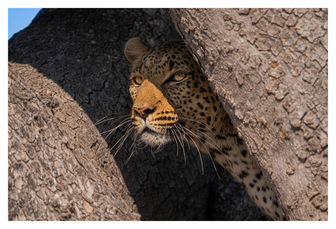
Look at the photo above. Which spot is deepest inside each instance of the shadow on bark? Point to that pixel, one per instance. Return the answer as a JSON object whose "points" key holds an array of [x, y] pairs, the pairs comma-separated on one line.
{"points": [[82, 51]]}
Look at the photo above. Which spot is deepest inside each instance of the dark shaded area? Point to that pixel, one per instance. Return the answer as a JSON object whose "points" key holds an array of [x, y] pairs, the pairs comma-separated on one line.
{"points": [[82, 51]]}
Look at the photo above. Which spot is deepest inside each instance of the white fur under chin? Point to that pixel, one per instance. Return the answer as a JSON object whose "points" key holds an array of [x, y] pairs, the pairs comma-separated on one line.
{"points": [[153, 139]]}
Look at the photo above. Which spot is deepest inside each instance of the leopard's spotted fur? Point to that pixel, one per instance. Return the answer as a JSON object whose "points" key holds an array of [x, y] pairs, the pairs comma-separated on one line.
{"points": [[173, 101]]}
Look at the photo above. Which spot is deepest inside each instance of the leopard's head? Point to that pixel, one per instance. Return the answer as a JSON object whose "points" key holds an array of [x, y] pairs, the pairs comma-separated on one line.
{"points": [[170, 94]]}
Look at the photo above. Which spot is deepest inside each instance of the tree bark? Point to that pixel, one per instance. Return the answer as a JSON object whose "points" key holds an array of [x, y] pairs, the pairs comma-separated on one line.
{"points": [[67, 71], [53, 171], [270, 68]]}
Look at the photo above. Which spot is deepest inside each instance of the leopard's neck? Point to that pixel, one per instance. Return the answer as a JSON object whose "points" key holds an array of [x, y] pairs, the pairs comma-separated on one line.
{"points": [[230, 152]]}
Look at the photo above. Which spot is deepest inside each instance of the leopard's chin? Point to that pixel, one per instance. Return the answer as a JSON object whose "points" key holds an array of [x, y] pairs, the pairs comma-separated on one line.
{"points": [[153, 138]]}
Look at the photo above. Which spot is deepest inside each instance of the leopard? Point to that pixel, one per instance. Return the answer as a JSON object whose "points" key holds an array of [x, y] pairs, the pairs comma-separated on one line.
{"points": [[174, 102]]}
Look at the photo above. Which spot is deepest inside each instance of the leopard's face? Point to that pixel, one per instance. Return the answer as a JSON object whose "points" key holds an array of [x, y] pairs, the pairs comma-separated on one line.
{"points": [[170, 94]]}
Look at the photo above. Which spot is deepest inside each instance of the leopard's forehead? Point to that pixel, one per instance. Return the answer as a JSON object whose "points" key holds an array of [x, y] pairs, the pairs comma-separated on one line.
{"points": [[164, 58]]}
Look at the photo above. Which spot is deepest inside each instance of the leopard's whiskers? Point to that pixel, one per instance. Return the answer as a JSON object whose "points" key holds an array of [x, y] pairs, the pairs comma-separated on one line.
{"points": [[111, 131], [198, 135], [213, 163], [214, 144], [173, 133], [123, 122], [195, 144], [133, 148], [179, 136], [112, 116], [122, 139]]}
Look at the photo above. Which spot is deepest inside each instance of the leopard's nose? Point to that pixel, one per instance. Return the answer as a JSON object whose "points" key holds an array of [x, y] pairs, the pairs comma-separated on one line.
{"points": [[143, 112]]}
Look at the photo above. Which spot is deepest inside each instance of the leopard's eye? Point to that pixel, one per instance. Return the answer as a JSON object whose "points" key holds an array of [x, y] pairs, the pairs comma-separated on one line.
{"points": [[137, 80], [178, 76]]}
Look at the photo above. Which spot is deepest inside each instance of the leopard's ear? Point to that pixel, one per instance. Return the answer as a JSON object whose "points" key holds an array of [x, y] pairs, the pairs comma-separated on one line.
{"points": [[134, 49]]}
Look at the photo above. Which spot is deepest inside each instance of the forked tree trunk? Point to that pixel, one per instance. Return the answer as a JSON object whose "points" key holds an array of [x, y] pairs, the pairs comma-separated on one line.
{"points": [[67, 71], [270, 67]]}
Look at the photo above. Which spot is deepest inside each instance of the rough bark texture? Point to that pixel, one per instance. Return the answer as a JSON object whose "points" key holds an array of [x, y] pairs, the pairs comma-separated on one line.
{"points": [[53, 171], [67, 71], [270, 67]]}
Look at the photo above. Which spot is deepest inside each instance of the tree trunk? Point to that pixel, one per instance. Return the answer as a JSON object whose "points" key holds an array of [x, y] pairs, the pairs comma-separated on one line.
{"points": [[67, 71], [270, 67], [53, 171]]}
